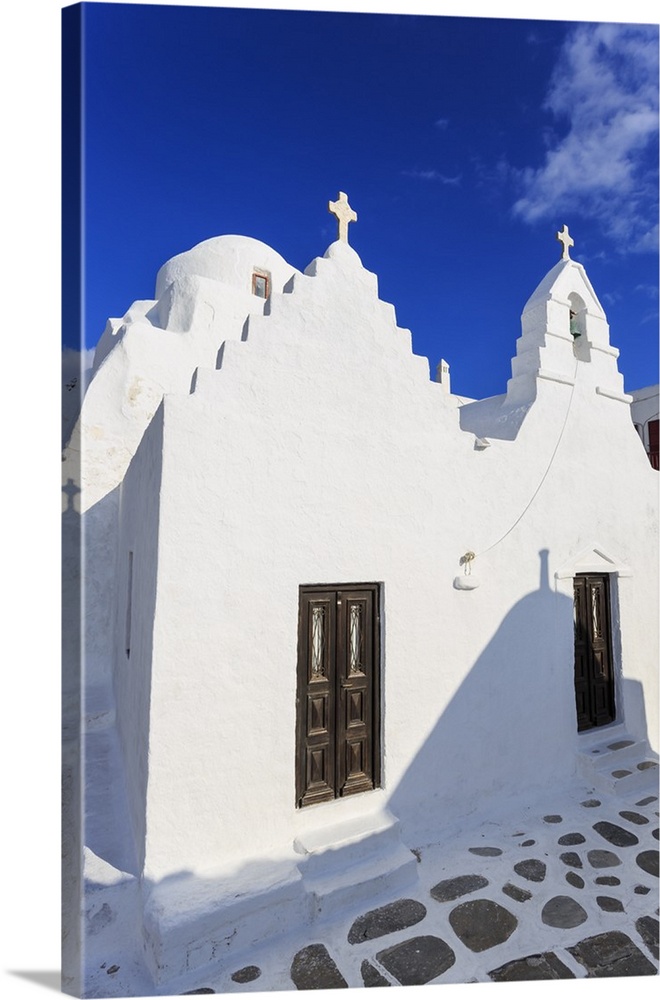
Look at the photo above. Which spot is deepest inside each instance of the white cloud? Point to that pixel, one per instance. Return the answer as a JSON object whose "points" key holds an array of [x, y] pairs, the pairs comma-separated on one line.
{"points": [[442, 123], [604, 98], [650, 290], [432, 175]]}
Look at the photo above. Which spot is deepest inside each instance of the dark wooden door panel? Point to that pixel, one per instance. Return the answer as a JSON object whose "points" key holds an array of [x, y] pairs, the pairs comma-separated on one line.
{"points": [[355, 666], [594, 677], [355, 717], [316, 698], [358, 768], [654, 448], [338, 682], [317, 714]]}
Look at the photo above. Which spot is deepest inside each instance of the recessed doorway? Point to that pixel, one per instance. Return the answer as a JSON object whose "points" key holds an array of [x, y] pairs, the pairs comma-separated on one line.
{"points": [[594, 675], [338, 701]]}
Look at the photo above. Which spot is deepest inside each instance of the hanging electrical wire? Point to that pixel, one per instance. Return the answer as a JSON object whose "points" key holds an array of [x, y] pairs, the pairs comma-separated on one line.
{"points": [[467, 559]]}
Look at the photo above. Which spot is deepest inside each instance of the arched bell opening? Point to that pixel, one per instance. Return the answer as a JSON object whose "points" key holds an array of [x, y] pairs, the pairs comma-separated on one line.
{"points": [[577, 318]]}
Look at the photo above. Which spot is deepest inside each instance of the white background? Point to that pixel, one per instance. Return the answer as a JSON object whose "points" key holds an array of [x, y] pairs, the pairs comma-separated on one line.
{"points": [[29, 281]]}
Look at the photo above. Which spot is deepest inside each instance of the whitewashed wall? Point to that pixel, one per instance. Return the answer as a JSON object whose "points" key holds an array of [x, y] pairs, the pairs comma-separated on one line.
{"points": [[241, 448], [203, 298], [644, 407], [135, 600], [320, 452]]}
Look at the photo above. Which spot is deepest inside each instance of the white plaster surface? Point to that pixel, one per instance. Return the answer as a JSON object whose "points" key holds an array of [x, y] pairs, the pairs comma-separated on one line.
{"points": [[644, 407], [240, 448]]}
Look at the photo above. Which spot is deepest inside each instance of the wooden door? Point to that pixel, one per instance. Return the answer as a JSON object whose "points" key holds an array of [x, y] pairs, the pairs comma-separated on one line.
{"points": [[654, 444], [338, 717], [594, 677]]}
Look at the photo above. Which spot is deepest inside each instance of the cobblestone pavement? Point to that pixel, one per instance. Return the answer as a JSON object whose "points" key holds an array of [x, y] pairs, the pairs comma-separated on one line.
{"points": [[571, 893], [567, 893]]}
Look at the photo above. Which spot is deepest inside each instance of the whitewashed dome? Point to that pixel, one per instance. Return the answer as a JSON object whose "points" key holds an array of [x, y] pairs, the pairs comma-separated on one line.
{"points": [[231, 260]]}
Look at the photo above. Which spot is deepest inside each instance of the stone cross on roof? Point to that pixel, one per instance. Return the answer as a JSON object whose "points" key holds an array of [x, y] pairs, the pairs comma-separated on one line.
{"points": [[566, 241], [344, 213]]}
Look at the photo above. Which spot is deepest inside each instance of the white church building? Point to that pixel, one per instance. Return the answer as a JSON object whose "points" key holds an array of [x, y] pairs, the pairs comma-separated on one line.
{"points": [[331, 609]]}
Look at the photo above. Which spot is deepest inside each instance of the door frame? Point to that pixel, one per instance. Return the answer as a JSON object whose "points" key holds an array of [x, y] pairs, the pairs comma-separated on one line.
{"points": [[336, 645], [590, 621], [595, 559]]}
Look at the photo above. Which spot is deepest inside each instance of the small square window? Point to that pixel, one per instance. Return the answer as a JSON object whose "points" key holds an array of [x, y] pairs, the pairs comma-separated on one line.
{"points": [[260, 285]]}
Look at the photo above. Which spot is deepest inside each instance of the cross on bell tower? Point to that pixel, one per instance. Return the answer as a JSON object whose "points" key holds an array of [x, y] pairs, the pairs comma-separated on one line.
{"points": [[566, 241], [344, 213]]}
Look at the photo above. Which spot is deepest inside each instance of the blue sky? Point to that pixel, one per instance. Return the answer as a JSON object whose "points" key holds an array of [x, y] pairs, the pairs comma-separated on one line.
{"points": [[463, 144]]}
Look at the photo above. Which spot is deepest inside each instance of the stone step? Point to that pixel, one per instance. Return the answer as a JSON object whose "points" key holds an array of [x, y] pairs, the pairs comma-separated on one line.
{"points": [[339, 887], [620, 765], [357, 839], [624, 748], [640, 779], [194, 924], [341, 862]]}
